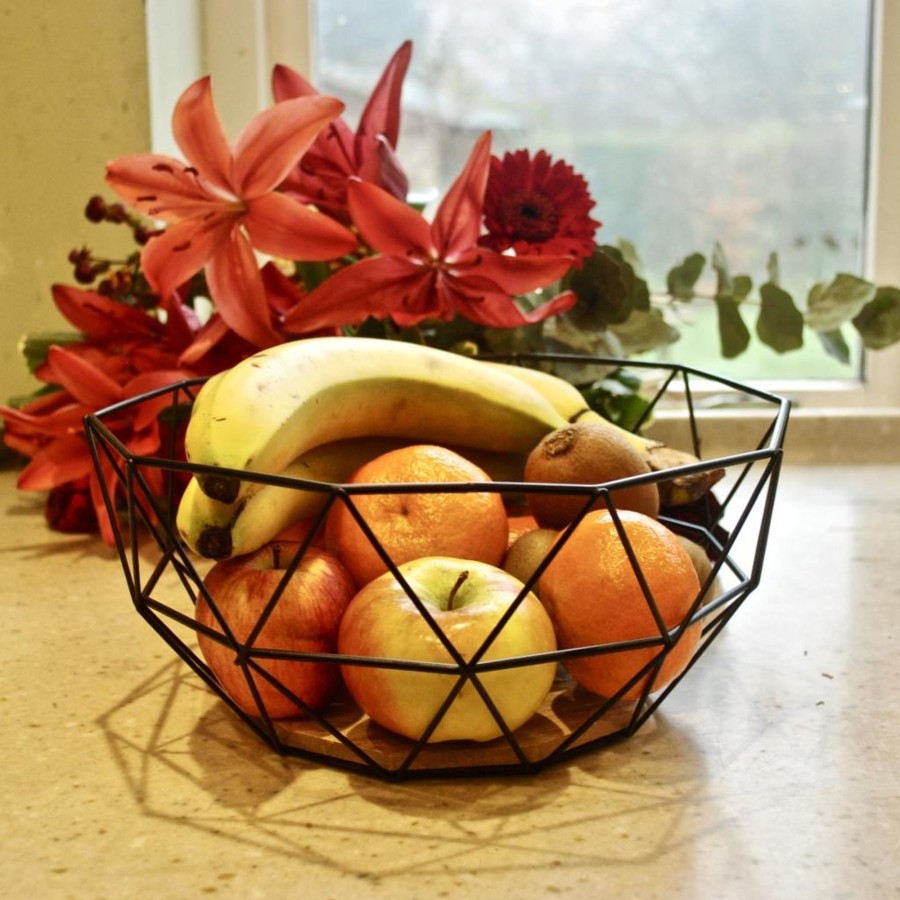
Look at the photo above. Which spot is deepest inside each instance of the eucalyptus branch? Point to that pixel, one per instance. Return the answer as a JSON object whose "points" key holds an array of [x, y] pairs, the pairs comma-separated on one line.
{"points": [[613, 296]]}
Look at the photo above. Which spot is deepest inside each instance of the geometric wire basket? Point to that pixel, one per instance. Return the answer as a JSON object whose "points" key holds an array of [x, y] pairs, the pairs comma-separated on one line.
{"points": [[164, 580]]}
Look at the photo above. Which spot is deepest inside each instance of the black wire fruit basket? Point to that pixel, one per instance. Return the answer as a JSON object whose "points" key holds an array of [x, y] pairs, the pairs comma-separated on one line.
{"points": [[730, 522]]}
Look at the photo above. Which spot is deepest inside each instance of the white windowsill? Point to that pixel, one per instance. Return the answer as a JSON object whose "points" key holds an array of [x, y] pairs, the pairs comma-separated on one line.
{"points": [[818, 436]]}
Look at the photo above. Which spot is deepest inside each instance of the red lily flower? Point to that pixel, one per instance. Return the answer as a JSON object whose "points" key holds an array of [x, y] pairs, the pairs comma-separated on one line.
{"points": [[69, 508], [50, 430], [123, 341], [538, 206], [121, 338], [215, 346], [431, 271], [337, 154], [101, 318], [223, 204]]}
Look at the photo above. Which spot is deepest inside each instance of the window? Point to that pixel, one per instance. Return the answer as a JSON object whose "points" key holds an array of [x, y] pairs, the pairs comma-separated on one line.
{"points": [[693, 121]]}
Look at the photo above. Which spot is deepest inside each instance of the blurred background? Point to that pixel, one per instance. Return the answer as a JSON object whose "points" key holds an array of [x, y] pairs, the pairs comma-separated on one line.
{"points": [[694, 121]]}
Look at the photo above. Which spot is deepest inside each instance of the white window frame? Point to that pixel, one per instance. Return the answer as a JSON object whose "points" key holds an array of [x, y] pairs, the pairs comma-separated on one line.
{"points": [[238, 41]]}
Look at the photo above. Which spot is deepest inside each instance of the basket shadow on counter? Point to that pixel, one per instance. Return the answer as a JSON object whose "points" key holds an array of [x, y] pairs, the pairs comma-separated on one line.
{"points": [[572, 722], [189, 762]]}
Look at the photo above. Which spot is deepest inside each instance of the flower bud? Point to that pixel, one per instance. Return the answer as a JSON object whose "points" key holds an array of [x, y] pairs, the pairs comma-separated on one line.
{"points": [[95, 211]]}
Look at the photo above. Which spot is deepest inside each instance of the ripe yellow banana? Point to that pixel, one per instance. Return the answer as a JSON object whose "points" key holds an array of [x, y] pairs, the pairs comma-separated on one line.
{"points": [[569, 402], [219, 530], [273, 406]]}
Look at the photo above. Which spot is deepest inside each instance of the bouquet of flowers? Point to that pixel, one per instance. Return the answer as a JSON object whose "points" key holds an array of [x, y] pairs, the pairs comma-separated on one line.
{"points": [[300, 228], [303, 227]]}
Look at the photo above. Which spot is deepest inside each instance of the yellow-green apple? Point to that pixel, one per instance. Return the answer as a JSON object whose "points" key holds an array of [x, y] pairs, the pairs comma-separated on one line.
{"points": [[465, 599], [306, 618]]}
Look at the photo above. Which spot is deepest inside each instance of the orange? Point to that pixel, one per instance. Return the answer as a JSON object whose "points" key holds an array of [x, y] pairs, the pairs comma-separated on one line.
{"points": [[468, 524], [594, 597]]}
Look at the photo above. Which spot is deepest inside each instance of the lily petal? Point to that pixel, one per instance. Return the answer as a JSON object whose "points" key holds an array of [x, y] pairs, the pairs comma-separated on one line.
{"points": [[146, 415], [110, 480], [198, 131], [338, 154], [334, 144], [65, 419], [161, 187], [181, 322], [275, 139], [288, 84], [64, 459], [382, 167], [210, 351], [83, 381], [427, 301], [280, 226], [381, 115], [169, 259], [457, 223], [378, 286], [519, 274], [283, 293], [389, 225], [234, 281], [502, 312], [102, 318], [495, 308], [561, 303]]}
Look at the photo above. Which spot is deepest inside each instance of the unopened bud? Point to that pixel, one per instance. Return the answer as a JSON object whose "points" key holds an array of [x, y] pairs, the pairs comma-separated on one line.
{"points": [[115, 212], [95, 211], [84, 272]]}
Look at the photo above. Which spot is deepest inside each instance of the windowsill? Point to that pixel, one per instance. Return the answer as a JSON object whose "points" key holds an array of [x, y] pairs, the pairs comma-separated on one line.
{"points": [[813, 436]]}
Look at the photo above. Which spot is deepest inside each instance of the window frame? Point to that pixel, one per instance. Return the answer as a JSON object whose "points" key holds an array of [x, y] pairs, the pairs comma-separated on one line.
{"points": [[238, 42]]}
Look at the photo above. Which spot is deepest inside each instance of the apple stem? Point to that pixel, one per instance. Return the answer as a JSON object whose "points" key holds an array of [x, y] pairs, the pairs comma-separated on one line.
{"points": [[455, 589]]}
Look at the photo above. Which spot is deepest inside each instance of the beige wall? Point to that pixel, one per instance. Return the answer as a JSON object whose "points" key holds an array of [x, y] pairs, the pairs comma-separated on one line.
{"points": [[73, 94]]}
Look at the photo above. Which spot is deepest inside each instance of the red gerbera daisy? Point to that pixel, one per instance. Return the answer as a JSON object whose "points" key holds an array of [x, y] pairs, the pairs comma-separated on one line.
{"points": [[538, 206]]}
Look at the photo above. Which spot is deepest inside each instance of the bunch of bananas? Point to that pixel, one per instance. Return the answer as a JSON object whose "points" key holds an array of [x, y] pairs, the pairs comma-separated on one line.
{"points": [[318, 408]]}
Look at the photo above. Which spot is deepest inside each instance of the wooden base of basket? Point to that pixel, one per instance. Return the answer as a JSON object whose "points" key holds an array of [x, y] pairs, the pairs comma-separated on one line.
{"points": [[561, 722]]}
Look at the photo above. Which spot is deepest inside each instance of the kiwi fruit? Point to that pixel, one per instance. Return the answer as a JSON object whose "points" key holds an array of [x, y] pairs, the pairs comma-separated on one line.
{"points": [[589, 453], [527, 552], [702, 565]]}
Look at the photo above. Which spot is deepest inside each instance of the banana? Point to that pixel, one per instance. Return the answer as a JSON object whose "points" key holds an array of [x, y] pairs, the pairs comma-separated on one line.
{"points": [[273, 406], [569, 402], [219, 530]]}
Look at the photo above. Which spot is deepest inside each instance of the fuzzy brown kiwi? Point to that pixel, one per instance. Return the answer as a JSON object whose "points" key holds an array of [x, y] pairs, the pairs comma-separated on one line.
{"points": [[702, 565], [527, 552], [586, 453]]}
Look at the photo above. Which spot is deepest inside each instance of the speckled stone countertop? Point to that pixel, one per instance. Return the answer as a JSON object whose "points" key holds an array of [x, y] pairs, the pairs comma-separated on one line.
{"points": [[773, 771]]}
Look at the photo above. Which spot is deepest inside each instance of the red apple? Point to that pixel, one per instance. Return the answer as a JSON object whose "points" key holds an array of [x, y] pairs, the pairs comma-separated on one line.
{"points": [[466, 599], [306, 618]]}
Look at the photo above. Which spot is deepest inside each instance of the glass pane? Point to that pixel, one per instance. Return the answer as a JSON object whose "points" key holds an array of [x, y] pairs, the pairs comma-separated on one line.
{"points": [[694, 121]]}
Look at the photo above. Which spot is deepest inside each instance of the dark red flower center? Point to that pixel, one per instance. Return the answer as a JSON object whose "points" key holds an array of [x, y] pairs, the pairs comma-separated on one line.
{"points": [[528, 216]]}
